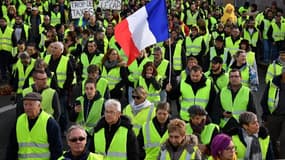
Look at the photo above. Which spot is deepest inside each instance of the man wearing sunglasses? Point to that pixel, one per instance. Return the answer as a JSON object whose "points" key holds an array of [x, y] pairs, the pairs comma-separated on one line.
{"points": [[36, 134], [76, 138]]}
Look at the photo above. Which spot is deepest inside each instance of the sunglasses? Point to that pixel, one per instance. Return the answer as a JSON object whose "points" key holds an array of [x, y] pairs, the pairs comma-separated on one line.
{"points": [[75, 139], [136, 97]]}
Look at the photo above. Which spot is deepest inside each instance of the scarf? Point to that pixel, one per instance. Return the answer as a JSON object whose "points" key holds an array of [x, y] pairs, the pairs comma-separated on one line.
{"points": [[253, 147], [137, 108], [108, 64]]}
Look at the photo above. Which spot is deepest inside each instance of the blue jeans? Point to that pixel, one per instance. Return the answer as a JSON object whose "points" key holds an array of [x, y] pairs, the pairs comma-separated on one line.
{"points": [[266, 50]]}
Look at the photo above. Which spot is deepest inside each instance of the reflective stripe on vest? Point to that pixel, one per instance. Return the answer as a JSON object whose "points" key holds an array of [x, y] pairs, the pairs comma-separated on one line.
{"points": [[152, 140], [60, 70], [93, 116], [33, 143], [184, 155], [278, 33], [193, 47], [232, 47], [23, 75], [273, 97], [188, 98], [113, 76], [144, 115], [267, 24], [118, 146], [274, 69], [177, 62], [241, 149], [236, 106]]}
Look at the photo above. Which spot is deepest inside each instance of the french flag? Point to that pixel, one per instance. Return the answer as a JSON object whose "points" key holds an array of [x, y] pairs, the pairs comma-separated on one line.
{"points": [[147, 26]]}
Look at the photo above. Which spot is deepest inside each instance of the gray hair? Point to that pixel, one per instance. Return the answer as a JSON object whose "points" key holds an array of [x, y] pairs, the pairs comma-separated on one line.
{"points": [[73, 127], [113, 102], [246, 118]]}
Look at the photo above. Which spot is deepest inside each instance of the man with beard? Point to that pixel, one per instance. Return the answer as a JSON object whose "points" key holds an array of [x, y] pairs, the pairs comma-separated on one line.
{"points": [[198, 126], [217, 74]]}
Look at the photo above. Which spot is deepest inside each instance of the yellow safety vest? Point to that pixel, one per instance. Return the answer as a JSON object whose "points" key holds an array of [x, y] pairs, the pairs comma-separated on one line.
{"points": [[136, 69], [252, 38], [23, 75], [241, 149], [118, 147], [232, 47], [177, 62], [274, 69], [164, 154], [267, 24], [153, 95], [47, 99], [225, 55], [273, 97], [193, 47], [162, 67], [206, 134], [60, 70], [278, 33], [237, 105], [85, 62], [188, 98], [55, 18], [145, 115], [6, 39], [221, 82], [93, 116], [191, 18], [112, 76], [33, 144], [152, 140]]}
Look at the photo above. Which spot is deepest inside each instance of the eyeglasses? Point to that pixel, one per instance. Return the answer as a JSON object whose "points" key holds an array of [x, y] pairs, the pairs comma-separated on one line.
{"points": [[231, 148], [136, 97], [75, 139]]}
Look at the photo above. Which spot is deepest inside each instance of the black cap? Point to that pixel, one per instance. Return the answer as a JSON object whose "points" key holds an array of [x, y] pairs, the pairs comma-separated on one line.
{"points": [[217, 59], [197, 110], [282, 50], [34, 96]]}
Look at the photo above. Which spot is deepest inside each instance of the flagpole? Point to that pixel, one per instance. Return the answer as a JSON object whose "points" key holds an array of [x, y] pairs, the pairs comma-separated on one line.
{"points": [[170, 64]]}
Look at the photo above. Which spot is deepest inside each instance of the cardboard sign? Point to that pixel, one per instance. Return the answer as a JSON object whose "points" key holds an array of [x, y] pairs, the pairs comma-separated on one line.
{"points": [[79, 7], [110, 4]]}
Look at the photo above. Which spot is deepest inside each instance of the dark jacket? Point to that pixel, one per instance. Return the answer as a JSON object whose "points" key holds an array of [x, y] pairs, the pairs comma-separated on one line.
{"points": [[263, 133], [280, 111], [86, 107], [132, 144], [218, 110], [175, 93], [54, 140], [68, 155]]}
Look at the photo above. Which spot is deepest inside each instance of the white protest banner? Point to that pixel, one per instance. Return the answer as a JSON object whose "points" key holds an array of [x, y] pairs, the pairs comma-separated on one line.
{"points": [[110, 4], [79, 7]]}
